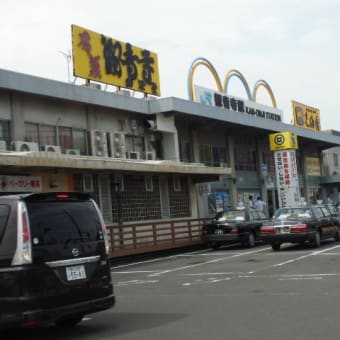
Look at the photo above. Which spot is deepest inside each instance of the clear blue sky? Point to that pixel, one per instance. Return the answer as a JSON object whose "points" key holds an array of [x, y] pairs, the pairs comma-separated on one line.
{"points": [[293, 45]]}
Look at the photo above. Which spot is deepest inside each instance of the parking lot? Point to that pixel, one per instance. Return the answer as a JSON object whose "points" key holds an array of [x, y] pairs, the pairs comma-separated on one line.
{"points": [[232, 293]]}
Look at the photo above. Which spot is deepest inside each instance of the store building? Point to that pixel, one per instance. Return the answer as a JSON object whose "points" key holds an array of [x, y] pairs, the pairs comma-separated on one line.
{"points": [[143, 159]]}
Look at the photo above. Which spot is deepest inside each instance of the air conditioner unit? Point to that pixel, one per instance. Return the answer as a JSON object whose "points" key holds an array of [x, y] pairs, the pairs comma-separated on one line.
{"points": [[133, 155], [98, 143], [25, 146], [150, 155], [72, 152], [117, 144], [52, 148], [3, 145]]}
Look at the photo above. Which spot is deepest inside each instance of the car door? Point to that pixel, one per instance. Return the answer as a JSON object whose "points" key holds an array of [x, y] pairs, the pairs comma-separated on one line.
{"points": [[329, 226], [257, 217], [324, 221]]}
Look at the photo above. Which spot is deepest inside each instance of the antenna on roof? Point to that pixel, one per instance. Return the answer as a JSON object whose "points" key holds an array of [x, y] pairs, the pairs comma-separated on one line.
{"points": [[68, 57]]}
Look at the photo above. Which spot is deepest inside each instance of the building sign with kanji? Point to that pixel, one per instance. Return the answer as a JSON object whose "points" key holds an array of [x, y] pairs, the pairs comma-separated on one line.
{"points": [[306, 116], [287, 178], [20, 184], [110, 61], [243, 106]]}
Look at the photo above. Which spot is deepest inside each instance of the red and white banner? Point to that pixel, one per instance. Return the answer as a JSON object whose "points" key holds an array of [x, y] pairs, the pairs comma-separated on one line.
{"points": [[20, 184], [287, 178]]}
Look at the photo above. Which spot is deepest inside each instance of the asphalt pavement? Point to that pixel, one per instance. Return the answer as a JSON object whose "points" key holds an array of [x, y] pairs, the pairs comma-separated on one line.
{"points": [[233, 293]]}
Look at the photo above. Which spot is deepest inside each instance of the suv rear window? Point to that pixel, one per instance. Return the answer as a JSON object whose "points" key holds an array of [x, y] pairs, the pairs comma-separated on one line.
{"points": [[57, 222], [4, 213]]}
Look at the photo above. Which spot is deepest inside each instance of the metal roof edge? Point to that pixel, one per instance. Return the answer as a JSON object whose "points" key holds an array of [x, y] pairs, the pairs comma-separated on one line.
{"points": [[25, 83]]}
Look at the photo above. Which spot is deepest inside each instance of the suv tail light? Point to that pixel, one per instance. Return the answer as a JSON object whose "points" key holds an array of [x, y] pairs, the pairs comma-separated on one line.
{"points": [[103, 228], [23, 253]]}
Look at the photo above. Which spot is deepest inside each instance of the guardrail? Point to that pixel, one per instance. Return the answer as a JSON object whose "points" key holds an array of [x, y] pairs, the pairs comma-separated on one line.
{"points": [[146, 237]]}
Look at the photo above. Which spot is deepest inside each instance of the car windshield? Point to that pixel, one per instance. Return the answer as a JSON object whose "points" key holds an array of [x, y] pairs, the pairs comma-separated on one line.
{"points": [[289, 213], [232, 215]]}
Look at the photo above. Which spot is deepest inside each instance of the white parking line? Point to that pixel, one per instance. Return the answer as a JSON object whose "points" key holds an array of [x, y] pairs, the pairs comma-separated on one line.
{"points": [[134, 272], [304, 256], [134, 282], [207, 262]]}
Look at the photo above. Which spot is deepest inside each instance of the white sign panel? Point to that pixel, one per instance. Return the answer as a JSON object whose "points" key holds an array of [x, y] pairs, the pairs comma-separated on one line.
{"points": [[287, 178], [244, 106], [20, 184]]}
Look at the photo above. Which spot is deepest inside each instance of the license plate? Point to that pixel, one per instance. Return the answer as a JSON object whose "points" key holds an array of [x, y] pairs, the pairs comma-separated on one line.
{"points": [[75, 273], [283, 230]]}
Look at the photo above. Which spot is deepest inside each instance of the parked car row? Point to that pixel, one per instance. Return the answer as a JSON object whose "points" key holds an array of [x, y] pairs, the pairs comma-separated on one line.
{"points": [[300, 224]]}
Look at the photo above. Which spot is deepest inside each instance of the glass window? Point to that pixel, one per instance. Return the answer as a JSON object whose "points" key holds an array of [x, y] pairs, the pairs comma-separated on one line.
{"points": [[218, 154], [47, 135], [65, 138], [135, 143], [42, 134], [60, 222], [5, 130], [185, 151], [4, 212], [79, 140], [245, 154], [206, 154], [32, 132]]}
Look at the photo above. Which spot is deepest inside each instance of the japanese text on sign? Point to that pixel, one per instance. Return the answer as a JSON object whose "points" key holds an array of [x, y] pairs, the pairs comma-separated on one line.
{"points": [[287, 178], [114, 62], [213, 98], [20, 184]]}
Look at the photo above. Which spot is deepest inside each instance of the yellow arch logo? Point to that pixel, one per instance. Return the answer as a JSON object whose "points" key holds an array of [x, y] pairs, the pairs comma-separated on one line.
{"points": [[231, 73]]}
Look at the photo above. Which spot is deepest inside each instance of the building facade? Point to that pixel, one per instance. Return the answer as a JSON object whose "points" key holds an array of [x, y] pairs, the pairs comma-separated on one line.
{"points": [[143, 159]]}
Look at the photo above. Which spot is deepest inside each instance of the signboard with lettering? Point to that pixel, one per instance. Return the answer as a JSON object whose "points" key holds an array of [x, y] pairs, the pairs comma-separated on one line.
{"points": [[244, 106], [287, 178], [306, 116], [20, 184], [110, 61], [283, 141], [313, 166]]}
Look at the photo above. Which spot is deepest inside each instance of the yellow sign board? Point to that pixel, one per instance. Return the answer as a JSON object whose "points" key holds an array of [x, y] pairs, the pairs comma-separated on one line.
{"points": [[306, 116], [313, 166], [110, 61], [283, 141]]}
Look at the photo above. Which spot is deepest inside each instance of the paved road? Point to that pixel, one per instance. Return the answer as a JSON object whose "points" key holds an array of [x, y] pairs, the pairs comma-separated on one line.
{"points": [[233, 293]]}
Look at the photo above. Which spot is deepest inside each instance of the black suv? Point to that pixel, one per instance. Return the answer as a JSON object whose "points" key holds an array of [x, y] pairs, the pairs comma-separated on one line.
{"points": [[54, 264]]}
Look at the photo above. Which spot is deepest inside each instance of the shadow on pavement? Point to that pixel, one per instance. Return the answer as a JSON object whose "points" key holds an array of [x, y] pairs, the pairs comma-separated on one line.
{"points": [[100, 326]]}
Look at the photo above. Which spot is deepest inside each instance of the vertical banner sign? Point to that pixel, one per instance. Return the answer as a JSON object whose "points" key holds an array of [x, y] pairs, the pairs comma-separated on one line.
{"points": [[284, 144], [287, 178]]}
